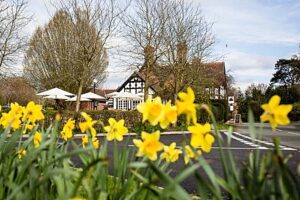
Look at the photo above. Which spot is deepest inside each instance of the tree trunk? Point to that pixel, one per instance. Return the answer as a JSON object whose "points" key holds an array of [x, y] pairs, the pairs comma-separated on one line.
{"points": [[79, 92], [146, 87]]}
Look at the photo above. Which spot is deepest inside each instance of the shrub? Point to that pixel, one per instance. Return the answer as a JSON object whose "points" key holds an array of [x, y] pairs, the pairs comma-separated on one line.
{"points": [[295, 113]]}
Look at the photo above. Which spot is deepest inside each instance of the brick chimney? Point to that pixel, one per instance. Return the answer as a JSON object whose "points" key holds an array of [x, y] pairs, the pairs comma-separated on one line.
{"points": [[149, 54], [196, 62], [182, 52]]}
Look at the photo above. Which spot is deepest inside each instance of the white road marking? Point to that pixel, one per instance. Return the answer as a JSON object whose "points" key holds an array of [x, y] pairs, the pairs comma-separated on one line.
{"points": [[259, 141], [235, 148], [292, 133]]}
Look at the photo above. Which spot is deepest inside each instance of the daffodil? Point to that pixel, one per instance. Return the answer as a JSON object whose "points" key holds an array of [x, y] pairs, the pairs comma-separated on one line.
{"points": [[169, 115], [37, 139], [115, 130], [95, 142], [201, 136], [189, 154], [88, 124], [58, 117], [171, 154], [149, 145], [13, 117], [67, 131], [21, 153], [151, 110], [15, 108], [33, 112], [275, 113], [185, 105], [84, 140]]}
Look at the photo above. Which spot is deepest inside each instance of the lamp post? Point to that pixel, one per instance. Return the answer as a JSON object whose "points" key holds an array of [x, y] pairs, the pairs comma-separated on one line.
{"points": [[95, 81], [94, 101]]}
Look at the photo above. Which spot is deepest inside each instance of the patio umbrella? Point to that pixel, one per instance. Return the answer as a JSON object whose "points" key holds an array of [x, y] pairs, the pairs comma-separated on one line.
{"points": [[55, 91], [127, 95], [57, 97], [92, 96], [75, 98]]}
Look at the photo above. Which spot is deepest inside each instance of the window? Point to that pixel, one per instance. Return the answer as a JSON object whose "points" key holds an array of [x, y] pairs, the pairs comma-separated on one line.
{"points": [[135, 103], [122, 104]]}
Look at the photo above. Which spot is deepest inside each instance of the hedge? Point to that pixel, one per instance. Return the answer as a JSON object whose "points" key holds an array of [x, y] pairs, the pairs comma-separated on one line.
{"points": [[133, 119]]}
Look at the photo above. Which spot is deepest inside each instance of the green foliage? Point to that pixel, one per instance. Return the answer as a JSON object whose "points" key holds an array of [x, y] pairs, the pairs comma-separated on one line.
{"points": [[50, 171], [295, 113], [220, 109], [287, 71]]}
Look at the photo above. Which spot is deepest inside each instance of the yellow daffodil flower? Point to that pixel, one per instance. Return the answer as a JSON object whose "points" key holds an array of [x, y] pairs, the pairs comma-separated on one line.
{"points": [[171, 154], [189, 154], [115, 130], [0, 108], [33, 112], [68, 128], [149, 145], [37, 139], [16, 109], [21, 153], [58, 117], [95, 142], [88, 124], [201, 136], [274, 113], [84, 140], [151, 110], [169, 115], [12, 118], [185, 105]]}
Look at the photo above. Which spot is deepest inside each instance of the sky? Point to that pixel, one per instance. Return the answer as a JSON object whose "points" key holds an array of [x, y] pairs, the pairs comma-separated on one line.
{"points": [[251, 35]]}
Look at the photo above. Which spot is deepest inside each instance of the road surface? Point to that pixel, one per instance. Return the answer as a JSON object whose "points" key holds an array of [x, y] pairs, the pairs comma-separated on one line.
{"points": [[241, 145]]}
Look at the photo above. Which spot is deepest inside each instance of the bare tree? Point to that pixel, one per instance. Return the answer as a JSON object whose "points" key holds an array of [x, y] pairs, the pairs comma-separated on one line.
{"points": [[187, 38], [16, 89], [13, 19], [144, 28], [70, 51], [172, 34]]}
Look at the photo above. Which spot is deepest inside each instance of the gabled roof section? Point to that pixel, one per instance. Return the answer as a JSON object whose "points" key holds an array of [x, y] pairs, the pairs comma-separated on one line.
{"points": [[215, 71], [133, 75], [102, 92]]}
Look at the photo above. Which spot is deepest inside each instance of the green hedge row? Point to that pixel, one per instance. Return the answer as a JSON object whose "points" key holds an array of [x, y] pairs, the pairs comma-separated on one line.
{"points": [[133, 119]]}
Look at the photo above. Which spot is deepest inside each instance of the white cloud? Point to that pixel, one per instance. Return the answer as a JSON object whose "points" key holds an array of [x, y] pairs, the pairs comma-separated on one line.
{"points": [[249, 68], [252, 21]]}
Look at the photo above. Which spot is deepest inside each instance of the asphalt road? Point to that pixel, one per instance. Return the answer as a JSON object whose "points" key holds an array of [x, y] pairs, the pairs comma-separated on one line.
{"points": [[289, 135], [241, 145]]}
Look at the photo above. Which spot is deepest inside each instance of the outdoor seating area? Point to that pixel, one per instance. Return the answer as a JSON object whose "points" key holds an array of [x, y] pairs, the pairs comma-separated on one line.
{"points": [[90, 101]]}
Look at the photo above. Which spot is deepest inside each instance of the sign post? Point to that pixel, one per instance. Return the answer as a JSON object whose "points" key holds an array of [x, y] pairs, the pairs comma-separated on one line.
{"points": [[231, 104]]}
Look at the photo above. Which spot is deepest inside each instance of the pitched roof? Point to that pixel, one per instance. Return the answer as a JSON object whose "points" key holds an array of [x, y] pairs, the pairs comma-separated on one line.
{"points": [[140, 75], [103, 92], [215, 72], [212, 72]]}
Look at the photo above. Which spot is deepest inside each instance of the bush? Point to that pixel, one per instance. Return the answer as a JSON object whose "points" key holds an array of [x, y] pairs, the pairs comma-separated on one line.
{"points": [[132, 118], [295, 113]]}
